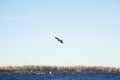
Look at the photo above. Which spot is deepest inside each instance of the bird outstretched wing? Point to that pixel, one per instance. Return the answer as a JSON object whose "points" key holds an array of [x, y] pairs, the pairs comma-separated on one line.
{"points": [[57, 38]]}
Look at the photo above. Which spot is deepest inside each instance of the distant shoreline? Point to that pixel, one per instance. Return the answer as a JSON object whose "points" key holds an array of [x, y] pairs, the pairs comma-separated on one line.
{"points": [[59, 68]]}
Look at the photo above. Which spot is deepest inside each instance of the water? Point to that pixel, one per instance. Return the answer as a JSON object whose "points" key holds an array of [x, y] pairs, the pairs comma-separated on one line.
{"points": [[56, 75]]}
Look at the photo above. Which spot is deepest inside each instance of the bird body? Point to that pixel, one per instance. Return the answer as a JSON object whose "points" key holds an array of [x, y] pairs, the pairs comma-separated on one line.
{"points": [[59, 40]]}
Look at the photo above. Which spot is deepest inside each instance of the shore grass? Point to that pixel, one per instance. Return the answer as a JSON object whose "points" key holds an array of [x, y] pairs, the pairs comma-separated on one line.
{"points": [[59, 68]]}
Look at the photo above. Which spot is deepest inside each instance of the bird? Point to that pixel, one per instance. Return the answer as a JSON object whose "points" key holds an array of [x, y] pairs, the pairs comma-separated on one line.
{"points": [[61, 41]]}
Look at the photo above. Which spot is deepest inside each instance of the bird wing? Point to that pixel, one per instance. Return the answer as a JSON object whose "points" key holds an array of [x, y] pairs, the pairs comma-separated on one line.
{"points": [[57, 38]]}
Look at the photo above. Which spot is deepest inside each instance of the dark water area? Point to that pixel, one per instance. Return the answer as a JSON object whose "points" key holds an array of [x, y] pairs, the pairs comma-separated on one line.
{"points": [[56, 75]]}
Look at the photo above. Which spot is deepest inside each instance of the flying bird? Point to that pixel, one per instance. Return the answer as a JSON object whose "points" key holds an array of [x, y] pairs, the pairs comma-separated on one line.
{"points": [[59, 40]]}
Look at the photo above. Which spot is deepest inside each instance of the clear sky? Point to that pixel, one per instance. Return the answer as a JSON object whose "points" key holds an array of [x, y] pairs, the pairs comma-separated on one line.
{"points": [[90, 30]]}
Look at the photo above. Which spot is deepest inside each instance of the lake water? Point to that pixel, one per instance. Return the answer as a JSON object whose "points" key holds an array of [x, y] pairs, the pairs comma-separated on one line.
{"points": [[56, 75]]}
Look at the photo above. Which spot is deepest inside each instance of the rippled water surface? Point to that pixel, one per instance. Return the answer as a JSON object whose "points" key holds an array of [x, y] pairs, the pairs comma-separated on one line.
{"points": [[49, 75]]}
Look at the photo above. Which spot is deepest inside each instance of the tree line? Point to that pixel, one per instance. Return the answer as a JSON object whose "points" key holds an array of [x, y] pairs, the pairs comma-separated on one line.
{"points": [[59, 68]]}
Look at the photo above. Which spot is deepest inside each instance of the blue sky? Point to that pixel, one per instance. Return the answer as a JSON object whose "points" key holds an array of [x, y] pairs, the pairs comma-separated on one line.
{"points": [[89, 28]]}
